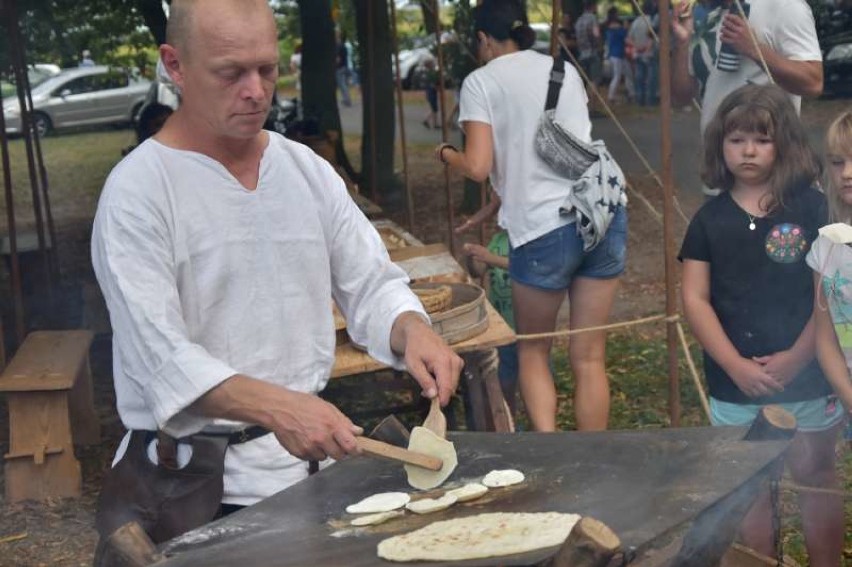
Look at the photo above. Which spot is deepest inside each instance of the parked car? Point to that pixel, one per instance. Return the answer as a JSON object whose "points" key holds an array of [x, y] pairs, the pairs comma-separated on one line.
{"points": [[36, 73], [78, 97], [837, 70]]}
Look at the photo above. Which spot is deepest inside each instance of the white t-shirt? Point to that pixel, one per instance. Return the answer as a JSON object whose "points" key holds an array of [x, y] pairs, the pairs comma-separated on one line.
{"points": [[509, 94], [833, 262], [787, 26], [205, 279]]}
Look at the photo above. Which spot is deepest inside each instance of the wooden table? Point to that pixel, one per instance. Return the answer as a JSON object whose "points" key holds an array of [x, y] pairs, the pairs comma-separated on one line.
{"points": [[645, 485], [481, 383]]}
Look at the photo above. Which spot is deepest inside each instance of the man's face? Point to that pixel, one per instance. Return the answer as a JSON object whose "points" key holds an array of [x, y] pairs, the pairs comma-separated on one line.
{"points": [[228, 69]]}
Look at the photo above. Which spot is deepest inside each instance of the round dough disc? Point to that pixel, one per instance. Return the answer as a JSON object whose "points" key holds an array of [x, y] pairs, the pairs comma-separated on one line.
{"points": [[376, 519], [381, 502], [501, 478], [429, 505], [426, 441], [479, 537], [469, 492]]}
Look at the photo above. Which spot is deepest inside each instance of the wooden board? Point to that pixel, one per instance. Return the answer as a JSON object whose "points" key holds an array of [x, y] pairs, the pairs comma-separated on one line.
{"points": [[47, 360], [348, 360], [642, 484]]}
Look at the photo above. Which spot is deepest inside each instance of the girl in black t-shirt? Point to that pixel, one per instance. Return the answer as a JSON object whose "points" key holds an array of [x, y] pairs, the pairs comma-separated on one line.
{"points": [[748, 296]]}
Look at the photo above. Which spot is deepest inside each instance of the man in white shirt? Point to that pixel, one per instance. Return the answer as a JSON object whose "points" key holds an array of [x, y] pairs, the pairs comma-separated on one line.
{"points": [[218, 247], [785, 34]]}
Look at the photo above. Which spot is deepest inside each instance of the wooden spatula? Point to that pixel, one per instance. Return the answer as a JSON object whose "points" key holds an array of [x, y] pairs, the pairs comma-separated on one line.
{"points": [[436, 421], [387, 451]]}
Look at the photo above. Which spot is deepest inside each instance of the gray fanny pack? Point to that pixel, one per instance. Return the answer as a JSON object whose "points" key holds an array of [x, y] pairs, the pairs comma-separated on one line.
{"points": [[564, 152]]}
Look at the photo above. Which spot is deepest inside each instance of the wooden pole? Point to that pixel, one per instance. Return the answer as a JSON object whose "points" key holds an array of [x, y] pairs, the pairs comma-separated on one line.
{"points": [[15, 269], [556, 15], [668, 211], [45, 187], [16, 49], [409, 198], [443, 112], [14, 263]]}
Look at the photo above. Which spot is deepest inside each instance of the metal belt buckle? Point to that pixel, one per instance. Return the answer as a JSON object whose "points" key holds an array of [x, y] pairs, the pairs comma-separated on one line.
{"points": [[243, 435]]}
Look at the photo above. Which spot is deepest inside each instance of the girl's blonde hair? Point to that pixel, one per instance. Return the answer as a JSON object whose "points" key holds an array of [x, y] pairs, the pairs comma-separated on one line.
{"points": [[838, 142], [767, 110]]}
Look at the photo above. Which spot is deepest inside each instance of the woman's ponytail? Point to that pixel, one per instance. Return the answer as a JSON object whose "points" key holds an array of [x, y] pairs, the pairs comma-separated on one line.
{"points": [[504, 19], [522, 34]]}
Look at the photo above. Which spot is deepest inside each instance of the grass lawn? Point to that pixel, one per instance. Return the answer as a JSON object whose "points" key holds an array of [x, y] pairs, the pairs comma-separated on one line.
{"points": [[77, 166]]}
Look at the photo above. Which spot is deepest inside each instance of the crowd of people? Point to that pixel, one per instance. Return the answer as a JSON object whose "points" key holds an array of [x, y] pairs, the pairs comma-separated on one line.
{"points": [[217, 245]]}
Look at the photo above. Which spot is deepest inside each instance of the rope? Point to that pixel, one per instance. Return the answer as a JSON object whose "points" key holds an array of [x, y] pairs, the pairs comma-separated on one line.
{"points": [[814, 490], [654, 212], [696, 379], [756, 45], [569, 332], [651, 171]]}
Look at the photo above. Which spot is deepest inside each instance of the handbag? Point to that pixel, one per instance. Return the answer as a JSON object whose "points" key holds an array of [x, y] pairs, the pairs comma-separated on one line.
{"points": [[564, 152], [167, 501]]}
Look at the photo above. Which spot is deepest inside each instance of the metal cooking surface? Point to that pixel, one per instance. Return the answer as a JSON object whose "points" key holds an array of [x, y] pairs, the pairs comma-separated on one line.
{"points": [[642, 484]]}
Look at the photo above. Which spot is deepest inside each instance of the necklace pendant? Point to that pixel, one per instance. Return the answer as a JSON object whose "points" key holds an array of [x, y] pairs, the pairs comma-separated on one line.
{"points": [[751, 226]]}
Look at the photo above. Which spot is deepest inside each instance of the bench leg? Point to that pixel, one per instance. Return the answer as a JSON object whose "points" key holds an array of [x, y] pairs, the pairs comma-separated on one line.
{"points": [[40, 463]]}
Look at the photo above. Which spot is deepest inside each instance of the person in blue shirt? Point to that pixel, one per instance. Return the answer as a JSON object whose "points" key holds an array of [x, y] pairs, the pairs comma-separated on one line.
{"points": [[616, 39]]}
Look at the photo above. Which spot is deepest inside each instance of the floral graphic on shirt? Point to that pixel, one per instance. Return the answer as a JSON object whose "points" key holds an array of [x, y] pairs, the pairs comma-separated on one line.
{"points": [[837, 292], [786, 243]]}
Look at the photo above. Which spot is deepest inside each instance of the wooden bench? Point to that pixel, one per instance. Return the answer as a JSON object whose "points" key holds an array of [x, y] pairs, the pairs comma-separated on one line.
{"points": [[48, 386]]}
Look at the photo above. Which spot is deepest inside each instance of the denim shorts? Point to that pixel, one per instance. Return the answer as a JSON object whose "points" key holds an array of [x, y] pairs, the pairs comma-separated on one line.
{"points": [[552, 260], [819, 414]]}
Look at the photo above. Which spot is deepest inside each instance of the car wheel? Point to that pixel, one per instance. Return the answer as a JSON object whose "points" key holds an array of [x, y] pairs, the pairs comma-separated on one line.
{"points": [[41, 124]]}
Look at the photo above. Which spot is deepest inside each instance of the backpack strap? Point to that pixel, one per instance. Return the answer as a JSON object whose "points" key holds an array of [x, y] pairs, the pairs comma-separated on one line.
{"points": [[557, 74]]}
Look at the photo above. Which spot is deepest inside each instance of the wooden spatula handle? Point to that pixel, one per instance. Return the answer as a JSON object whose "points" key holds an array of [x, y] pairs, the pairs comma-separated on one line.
{"points": [[379, 449]]}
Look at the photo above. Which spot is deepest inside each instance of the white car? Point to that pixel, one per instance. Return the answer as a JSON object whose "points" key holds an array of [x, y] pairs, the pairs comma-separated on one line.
{"points": [[80, 96]]}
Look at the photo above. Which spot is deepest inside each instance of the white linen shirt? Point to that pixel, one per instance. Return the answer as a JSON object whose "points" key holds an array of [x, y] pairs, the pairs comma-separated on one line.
{"points": [[787, 26], [205, 279], [509, 94]]}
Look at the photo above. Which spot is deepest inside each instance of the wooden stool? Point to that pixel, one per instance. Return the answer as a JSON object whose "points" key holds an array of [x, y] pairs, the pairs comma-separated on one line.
{"points": [[48, 386]]}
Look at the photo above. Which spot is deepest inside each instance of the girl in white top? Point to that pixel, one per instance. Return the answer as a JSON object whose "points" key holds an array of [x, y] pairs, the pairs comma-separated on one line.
{"points": [[831, 260], [501, 104]]}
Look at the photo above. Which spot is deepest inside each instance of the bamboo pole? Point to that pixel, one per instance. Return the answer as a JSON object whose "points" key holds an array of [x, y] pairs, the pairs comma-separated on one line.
{"points": [[668, 210], [409, 198], [443, 113]]}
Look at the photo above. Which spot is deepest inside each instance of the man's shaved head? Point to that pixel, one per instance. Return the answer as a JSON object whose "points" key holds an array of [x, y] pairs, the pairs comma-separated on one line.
{"points": [[182, 17]]}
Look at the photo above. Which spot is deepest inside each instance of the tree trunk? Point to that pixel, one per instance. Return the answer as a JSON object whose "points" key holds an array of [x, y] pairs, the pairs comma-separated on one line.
{"points": [[379, 125], [319, 56], [155, 18], [428, 17]]}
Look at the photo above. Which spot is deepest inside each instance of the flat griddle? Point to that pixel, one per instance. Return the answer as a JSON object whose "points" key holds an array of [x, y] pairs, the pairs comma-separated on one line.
{"points": [[645, 485]]}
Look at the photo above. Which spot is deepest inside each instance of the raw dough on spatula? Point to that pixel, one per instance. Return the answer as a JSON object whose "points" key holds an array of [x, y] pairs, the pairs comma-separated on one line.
{"points": [[469, 492], [499, 479], [429, 505], [381, 502], [376, 519], [480, 536], [425, 441]]}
